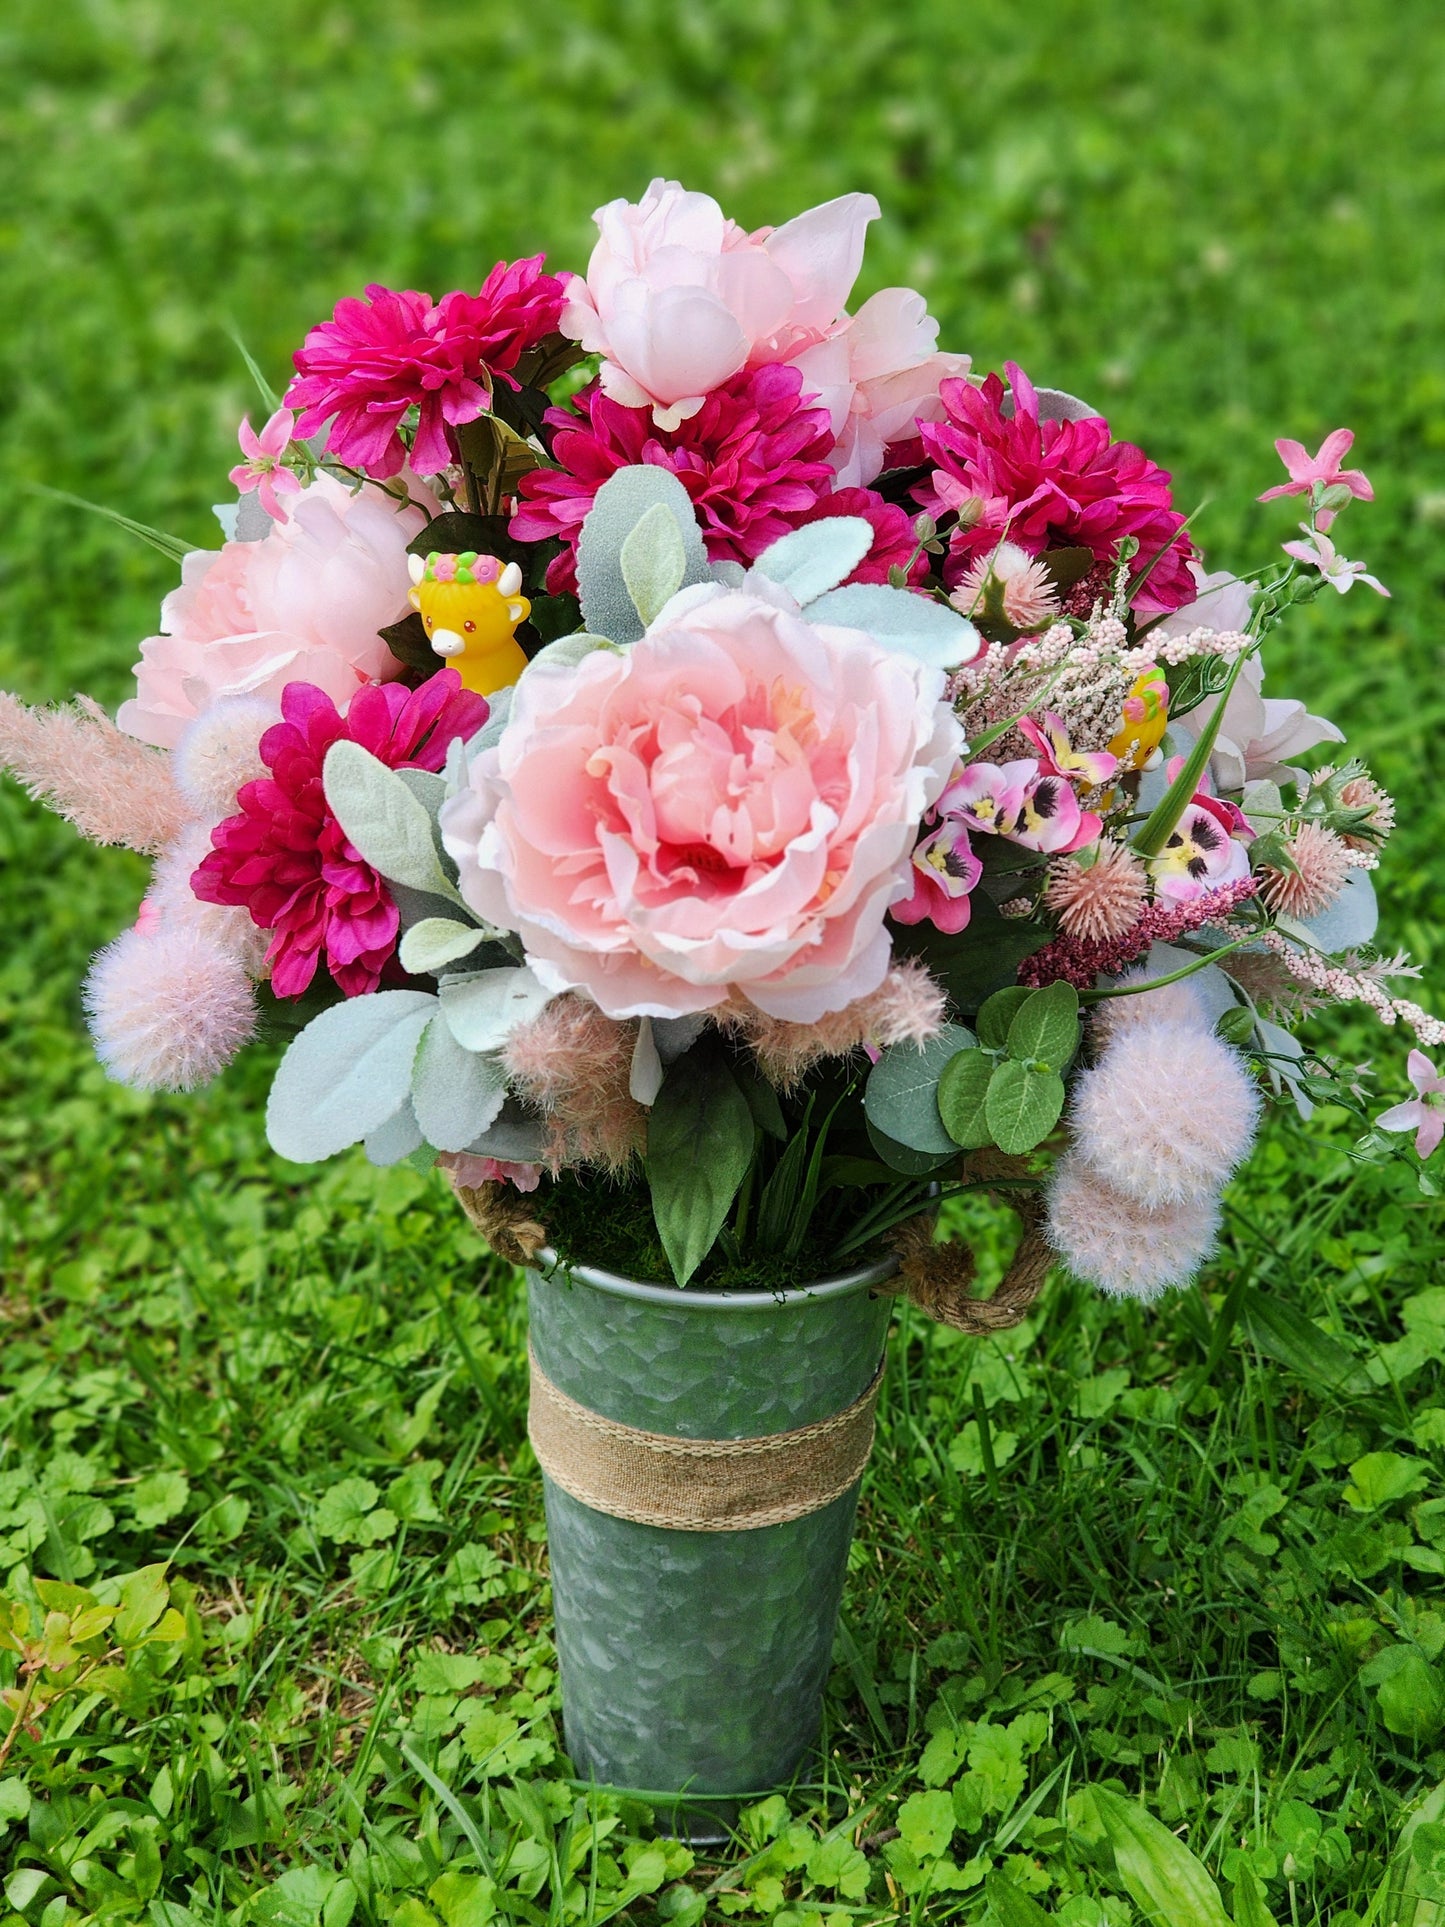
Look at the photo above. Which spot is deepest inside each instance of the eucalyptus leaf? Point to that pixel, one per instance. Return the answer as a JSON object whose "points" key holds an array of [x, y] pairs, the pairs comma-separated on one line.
{"points": [[903, 1159], [483, 1010], [456, 1093], [998, 1013], [897, 619], [901, 1097], [699, 1147], [1351, 920], [619, 505], [963, 1098], [1045, 1028], [818, 556], [654, 562], [435, 942], [1022, 1105], [346, 1074], [386, 823]]}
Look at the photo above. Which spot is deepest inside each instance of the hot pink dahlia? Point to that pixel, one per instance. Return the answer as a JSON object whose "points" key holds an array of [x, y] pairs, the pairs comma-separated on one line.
{"points": [[398, 349], [285, 856], [754, 459], [1049, 485]]}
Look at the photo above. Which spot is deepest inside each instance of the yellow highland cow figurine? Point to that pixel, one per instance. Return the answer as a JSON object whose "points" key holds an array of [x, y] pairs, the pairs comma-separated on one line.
{"points": [[470, 606]]}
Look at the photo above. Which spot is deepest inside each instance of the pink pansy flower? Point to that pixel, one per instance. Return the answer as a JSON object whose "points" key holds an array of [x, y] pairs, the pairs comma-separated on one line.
{"points": [[398, 350], [1022, 802], [1423, 1114], [1318, 552], [1057, 755], [724, 811], [1308, 473], [1051, 819], [1206, 848], [945, 871], [678, 299], [264, 469]]}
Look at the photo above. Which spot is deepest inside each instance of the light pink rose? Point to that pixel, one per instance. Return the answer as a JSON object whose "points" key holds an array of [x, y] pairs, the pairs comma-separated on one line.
{"points": [[678, 298], [729, 806], [303, 604]]}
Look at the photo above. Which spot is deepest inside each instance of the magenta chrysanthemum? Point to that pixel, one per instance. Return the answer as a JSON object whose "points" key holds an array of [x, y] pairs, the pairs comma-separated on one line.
{"points": [[754, 459], [285, 856], [1051, 484], [398, 349]]}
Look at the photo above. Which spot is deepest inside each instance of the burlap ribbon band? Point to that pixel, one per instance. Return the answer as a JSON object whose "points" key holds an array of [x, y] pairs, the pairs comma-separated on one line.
{"points": [[698, 1485]]}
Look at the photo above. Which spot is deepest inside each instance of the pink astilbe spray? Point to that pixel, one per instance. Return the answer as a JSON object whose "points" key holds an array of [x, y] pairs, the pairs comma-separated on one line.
{"points": [[575, 1065], [1080, 960], [1166, 1114], [1126, 1248], [74, 759], [168, 1007], [907, 1007]]}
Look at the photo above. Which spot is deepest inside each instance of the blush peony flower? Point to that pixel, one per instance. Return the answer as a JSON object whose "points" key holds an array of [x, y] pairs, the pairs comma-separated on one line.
{"points": [[398, 349], [678, 299], [727, 808], [303, 604], [753, 458], [285, 856], [1049, 484]]}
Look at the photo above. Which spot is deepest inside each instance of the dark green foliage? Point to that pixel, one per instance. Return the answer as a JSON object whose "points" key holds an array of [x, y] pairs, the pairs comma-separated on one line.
{"points": [[1194, 1555]]}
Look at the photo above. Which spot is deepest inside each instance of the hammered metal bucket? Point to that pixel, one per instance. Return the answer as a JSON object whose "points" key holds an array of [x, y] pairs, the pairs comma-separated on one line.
{"points": [[693, 1663]]}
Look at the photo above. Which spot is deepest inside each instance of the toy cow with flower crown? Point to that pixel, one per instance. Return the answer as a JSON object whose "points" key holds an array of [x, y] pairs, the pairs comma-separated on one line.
{"points": [[470, 606]]}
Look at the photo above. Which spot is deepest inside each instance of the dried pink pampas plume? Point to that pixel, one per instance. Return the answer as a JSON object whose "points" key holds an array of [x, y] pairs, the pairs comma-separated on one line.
{"points": [[1124, 1247], [575, 1065], [1100, 901], [112, 788], [220, 751], [1166, 1114], [1322, 861], [168, 1009], [907, 1007]]}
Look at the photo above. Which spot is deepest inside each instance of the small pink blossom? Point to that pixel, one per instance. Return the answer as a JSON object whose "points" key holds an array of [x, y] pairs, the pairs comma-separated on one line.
{"points": [[471, 1171], [1423, 1113], [1313, 474], [945, 872], [264, 468], [1317, 551]]}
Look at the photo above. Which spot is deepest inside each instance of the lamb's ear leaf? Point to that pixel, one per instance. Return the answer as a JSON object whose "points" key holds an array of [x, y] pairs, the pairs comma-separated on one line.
{"points": [[435, 942], [653, 562], [619, 505], [398, 1138], [456, 1093], [818, 556], [483, 1010], [346, 1074], [391, 828], [897, 619]]}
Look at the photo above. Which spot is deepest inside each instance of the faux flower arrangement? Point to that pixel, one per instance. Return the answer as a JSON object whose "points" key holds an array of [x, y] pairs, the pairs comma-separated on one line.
{"points": [[689, 749]]}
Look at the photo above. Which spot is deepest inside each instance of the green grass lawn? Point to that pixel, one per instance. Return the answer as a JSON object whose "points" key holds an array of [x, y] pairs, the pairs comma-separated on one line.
{"points": [[1192, 1556]]}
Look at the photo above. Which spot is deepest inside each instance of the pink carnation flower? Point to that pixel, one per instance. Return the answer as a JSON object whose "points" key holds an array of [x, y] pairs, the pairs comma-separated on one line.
{"points": [[754, 459], [398, 349], [724, 810], [285, 856], [303, 604], [1051, 484]]}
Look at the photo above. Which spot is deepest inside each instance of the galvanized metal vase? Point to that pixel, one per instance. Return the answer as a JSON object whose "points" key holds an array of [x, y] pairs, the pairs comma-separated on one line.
{"points": [[693, 1663]]}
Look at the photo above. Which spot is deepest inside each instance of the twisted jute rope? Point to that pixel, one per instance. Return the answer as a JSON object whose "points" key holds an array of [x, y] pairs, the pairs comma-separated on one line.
{"points": [[738, 1485], [698, 1485]]}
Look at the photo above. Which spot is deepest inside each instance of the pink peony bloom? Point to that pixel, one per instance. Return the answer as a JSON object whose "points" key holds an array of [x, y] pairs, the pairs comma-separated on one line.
{"points": [[726, 809], [678, 299], [304, 604], [264, 468], [1419, 1114], [945, 872], [1309, 473], [754, 459], [1052, 484], [375, 359], [285, 856]]}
